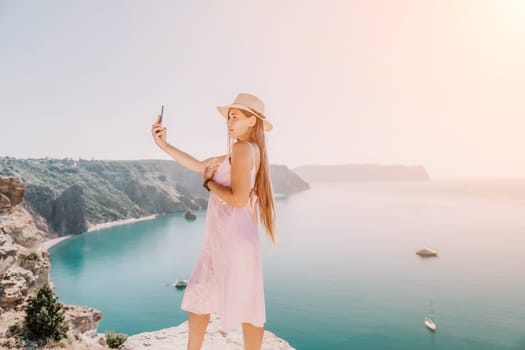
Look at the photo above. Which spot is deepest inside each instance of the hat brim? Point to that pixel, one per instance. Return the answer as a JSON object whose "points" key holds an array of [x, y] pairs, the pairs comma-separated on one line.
{"points": [[224, 112]]}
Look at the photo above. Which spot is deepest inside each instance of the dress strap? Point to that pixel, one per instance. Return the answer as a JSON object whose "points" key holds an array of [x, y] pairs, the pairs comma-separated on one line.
{"points": [[253, 153]]}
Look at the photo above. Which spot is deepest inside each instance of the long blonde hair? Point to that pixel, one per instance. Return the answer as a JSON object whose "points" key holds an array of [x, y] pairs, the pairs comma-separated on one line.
{"points": [[263, 185]]}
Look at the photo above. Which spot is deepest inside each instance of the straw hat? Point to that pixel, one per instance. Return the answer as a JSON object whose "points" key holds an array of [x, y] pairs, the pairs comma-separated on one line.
{"points": [[249, 103]]}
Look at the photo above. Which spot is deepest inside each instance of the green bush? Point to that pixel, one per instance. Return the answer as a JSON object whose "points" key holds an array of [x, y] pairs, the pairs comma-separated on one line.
{"points": [[114, 340], [31, 256], [15, 330], [15, 333], [44, 319]]}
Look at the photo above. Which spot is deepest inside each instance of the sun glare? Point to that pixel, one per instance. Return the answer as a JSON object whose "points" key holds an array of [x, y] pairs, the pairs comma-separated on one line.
{"points": [[513, 14]]}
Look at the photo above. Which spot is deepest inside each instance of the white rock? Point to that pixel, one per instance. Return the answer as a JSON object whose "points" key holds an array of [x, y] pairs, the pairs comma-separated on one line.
{"points": [[175, 338]]}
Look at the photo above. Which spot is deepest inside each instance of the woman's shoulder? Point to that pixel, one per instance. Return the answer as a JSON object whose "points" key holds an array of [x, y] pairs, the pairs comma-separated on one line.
{"points": [[246, 145], [253, 145], [254, 148]]}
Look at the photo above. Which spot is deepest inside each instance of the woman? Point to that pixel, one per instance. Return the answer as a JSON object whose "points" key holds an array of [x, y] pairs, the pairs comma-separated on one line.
{"points": [[228, 278]]}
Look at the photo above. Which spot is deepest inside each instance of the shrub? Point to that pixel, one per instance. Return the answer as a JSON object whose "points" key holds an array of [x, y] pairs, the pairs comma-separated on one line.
{"points": [[44, 319], [114, 340], [31, 256], [14, 333], [15, 330]]}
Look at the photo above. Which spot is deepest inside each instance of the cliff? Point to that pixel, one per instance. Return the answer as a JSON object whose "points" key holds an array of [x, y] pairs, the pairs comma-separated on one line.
{"points": [[286, 182], [25, 267], [361, 172], [72, 196]]}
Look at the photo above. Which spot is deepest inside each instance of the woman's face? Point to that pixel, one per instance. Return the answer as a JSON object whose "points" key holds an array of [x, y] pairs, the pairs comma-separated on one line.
{"points": [[239, 126]]}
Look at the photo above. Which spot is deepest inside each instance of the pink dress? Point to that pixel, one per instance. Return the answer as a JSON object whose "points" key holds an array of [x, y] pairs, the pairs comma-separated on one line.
{"points": [[228, 278]]}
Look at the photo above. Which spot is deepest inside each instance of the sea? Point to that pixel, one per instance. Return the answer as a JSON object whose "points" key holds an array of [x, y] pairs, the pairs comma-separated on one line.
{"points": [[344, 274]]}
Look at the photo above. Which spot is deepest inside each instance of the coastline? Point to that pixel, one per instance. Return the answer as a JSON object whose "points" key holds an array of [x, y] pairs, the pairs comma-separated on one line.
{"points": [[120, 222], [51, 242]]}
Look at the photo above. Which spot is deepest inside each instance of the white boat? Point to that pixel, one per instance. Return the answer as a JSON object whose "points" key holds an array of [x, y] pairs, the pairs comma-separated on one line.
{"points": [[180, 283], [429, 323]]}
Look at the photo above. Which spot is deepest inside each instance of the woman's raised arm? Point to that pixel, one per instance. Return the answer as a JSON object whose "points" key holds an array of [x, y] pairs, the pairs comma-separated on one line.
{"points": [[184, 158], [159, 136]]}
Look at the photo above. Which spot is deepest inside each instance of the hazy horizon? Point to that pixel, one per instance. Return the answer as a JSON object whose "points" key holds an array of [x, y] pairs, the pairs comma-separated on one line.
{"points": [[402, 82]]}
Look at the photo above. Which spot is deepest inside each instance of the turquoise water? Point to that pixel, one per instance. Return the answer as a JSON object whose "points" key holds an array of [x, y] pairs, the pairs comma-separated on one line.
{"points": [[345, 275]]}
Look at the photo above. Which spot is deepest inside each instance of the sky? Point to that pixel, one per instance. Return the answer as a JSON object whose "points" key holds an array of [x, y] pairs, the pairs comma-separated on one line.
{"points": [[434, 83]]}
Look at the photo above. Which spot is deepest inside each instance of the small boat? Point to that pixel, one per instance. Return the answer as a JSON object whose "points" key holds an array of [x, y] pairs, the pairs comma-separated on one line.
{"points": [[189, 215], [426, 252], [429, 323], [180, 284]]}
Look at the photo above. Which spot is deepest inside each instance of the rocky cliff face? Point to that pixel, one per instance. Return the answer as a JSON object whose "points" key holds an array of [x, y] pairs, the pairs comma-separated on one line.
{"points": [[69, 214], [285, 181], [11, 194], [25, 268], [64, 213]]}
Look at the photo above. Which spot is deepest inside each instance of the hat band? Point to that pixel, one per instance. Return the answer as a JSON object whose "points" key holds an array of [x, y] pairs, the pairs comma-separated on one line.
{"points": [[257, 114]]}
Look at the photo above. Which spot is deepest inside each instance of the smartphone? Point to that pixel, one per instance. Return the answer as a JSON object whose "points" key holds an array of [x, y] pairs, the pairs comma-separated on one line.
{"points": [[161, 113]]}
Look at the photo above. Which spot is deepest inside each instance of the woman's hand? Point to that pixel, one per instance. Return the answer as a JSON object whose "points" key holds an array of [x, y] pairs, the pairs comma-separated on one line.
{"points": [[210, 170], [159, 133]]}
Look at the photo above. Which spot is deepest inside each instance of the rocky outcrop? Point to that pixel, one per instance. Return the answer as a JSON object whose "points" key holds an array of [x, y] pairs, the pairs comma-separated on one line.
{"points": [[11, 194], [41, 199], [17, 281], [69, 214], [175, 338], [64, 213], [81, 318], [18, 228], [82, 322], [285, 181], [24, 269]]}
